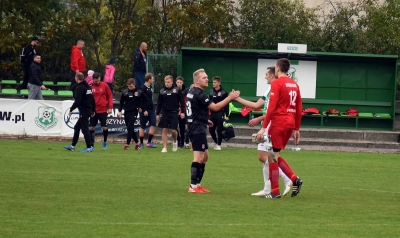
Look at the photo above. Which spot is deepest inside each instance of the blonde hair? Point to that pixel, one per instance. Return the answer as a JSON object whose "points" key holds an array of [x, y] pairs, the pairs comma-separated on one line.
{"points": [[169, 77], [197, 72]]}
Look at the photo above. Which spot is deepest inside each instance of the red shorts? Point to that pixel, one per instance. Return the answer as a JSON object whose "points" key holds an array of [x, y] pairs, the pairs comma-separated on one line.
{"points": [[280, 136]]}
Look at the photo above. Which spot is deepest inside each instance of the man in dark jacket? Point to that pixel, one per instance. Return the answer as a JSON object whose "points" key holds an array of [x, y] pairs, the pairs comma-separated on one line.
{"points": [[139, 64], [35, 84], [27, 58], [218, 94], [84, 101]]}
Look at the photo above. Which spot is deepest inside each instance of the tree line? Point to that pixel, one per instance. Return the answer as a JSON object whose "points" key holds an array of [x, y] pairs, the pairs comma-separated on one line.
{"points": [[115, 28]]}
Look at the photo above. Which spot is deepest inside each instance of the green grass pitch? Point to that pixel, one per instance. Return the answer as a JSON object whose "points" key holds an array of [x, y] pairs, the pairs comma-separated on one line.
{"points": [[46, 191]]}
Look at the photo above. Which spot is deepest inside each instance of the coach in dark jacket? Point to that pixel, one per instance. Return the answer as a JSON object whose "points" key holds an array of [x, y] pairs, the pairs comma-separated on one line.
{"points": [[84, 101], [27, 58], [139, 64], [35, 84]]}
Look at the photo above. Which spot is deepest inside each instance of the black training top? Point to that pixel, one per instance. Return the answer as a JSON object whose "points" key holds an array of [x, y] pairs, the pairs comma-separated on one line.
{"points": [[217, 96], [170, 100], [132, 100], [197, 104], [83, 97], [147, 104]]}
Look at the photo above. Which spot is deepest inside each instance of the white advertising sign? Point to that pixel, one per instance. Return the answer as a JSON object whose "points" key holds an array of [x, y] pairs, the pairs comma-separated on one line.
{"points": [[30, 117], [303, 72], [292, 48]]}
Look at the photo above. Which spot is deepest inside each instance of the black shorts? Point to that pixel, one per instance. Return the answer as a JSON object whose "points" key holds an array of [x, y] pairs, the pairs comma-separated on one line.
{"points": [[130, 119], [169, 120], [151, 118], [199, 142], [102, 117]]}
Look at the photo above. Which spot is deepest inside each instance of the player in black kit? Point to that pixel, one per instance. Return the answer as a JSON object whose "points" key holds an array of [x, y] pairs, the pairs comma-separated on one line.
{"points": [[198, 105], [218, 94], [170, 101], [148, 114], [131, 102]]}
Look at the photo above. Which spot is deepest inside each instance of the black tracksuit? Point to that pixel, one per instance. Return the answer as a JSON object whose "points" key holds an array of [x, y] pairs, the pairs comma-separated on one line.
{"points": [[84, 101], [26, 59], [35, 74], [131, 101], [217, 118]]}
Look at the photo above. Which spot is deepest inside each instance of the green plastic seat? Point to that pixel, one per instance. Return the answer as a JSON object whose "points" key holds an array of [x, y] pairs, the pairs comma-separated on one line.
{"points": [[9, 91], [365, 114], [383, 115], [47, 92], [24, 92], [63, 83], [47, 83], [9, 82], [64, 93]]}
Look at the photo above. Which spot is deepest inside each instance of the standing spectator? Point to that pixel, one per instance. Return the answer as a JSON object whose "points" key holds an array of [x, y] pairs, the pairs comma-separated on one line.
{"points": [[78, 62], [85, 103], [109, 76], [35, 84], [27, 58], [89, 78], [139, 64]]}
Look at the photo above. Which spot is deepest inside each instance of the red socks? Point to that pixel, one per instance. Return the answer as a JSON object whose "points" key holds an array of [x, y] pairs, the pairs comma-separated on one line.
{"points": [[274, 177], [286, 169]]}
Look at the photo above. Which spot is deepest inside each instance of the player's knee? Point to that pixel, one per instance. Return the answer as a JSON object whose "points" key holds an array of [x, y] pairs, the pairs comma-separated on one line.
{"points": [[104, 128]]}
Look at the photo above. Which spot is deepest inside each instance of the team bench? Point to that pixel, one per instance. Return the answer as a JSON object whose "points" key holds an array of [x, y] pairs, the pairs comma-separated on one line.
{"points": [[372, 115]]}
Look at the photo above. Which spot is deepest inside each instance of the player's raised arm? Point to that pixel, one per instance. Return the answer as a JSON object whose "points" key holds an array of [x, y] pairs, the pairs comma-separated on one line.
{"points": [[217, 107]]}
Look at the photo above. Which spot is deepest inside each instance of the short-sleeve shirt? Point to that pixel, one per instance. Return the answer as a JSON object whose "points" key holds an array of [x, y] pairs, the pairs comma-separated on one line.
{"points": [[197, 111]]}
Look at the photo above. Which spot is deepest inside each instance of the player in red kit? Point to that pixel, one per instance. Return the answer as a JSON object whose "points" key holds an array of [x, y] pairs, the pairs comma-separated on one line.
{"points": [[284, 112], [104, 105]]}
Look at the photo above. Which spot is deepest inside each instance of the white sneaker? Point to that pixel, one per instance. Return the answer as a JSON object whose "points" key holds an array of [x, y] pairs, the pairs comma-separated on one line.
{"points": [[186, 146], [217, 147], [260, 193], [288, 186], [174, 146], [164, 150]]}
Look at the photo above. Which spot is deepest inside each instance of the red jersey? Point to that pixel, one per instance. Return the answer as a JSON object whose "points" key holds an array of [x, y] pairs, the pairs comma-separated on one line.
{"points": [[285, 105], [78, 62], [103, 97]]}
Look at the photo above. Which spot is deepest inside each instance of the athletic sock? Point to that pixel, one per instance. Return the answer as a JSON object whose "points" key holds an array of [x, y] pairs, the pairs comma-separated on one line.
{"points": [[194, 171], [92, 136], [105, 135], [150, 138], [274, 177], [141, 139], [201, 172], [267, 183], [286, 169], [285, 178]]}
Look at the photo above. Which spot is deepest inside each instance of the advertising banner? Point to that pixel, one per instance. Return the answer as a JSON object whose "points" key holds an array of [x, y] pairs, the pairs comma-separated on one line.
{"points": [[30, 117], [303, 72], [51, 118]]}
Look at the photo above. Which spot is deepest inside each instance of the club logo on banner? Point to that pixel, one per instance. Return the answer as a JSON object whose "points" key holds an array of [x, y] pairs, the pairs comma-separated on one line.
{"points": [[46, 118], [70, 121]]}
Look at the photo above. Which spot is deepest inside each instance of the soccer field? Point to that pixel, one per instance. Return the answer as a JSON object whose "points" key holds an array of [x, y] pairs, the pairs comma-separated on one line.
{"points": [[46, 191]]}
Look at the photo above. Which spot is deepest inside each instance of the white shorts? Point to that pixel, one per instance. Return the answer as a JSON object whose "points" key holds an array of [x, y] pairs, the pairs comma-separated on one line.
{"points": [[266, 145]]}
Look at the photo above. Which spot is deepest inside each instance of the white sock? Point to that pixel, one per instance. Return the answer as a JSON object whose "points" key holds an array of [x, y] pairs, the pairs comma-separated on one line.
{"points": [[267, 183], [285, 178]]}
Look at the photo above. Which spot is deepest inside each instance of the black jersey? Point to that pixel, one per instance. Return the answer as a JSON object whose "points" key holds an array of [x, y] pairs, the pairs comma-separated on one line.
{"points": [[217, 96], [170, 100], [147, 105], [132, 100], [197, 104]]}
